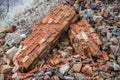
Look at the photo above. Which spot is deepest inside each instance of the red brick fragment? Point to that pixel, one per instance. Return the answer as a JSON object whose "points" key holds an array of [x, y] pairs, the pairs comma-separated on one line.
{"points": [[82, 39], [105, 14], [1, 50], [44, 35], [9, 30], [105, 56], [87, 70]]}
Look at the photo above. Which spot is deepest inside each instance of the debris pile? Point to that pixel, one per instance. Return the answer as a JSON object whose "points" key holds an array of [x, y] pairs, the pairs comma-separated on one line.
{"points": [[80, 41]]}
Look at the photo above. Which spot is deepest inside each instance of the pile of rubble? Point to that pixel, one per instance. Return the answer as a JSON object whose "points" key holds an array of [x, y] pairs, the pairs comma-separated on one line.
{"points": [[80, 41]]}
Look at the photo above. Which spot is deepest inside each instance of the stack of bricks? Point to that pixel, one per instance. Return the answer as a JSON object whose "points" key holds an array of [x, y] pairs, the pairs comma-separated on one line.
{"points": [[44, 35]]}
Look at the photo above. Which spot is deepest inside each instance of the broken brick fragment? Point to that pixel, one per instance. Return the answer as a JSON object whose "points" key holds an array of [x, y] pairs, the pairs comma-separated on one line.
{"points": [[56, 77], [88, 45], [105, 14], [10, 29], [105, 56], [87, 5], [77, 67], [1, 50], [87, 70], [44, 35], [23, 76]]}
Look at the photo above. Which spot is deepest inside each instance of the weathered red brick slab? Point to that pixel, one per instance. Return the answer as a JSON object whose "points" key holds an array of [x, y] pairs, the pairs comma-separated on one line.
{"points": [[44, 35], [84, 40]]}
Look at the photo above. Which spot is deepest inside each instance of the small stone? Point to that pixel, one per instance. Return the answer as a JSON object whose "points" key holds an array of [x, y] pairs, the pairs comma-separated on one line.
{"points": [[117, 24], [64, 54], [77, 67], [2, 77], [116, 66], [10, 29], [69, 48], [105, 14], [64, 68], [2, 29], [40, 78], [94, 5], [6, 59], [118, 60], [34, 79], [5, 69], [56, 77], [105, 75], [114, 40], [76, 6], [57, 61], [14, 76], [69, 78], [87, 69], [22, 22], [109, 63], [70, 72], [109, 35], [23, 36], [48, 73], [103, 68], [113, 47], [111, 56], [79, 76], [46, 77], [57, 72], [113, 74], [39, 73], [101, 78], [2, 41], [77, 56], [10, 53], [96, 77], [105, 56], [1, 50], [2, 35]]}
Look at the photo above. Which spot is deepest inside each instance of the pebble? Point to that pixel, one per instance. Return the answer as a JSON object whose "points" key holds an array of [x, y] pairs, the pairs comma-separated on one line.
{"points": [[23, 36], [39, 73], [79, 76], [118, 60], [2, 42], [64, 54], [116, 66], [77, 67], [112, 56], [69, 78], [2, 35], [114, 40], [5, 69], [48, 73], [56, 77], [46, 77], [64, 68], [2, 77], [11, 52]]}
